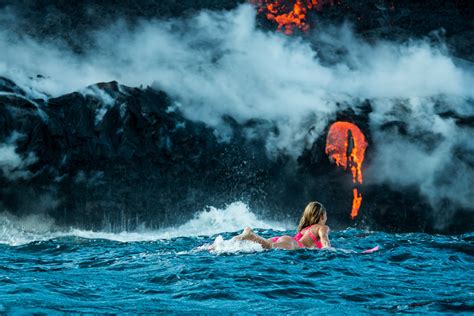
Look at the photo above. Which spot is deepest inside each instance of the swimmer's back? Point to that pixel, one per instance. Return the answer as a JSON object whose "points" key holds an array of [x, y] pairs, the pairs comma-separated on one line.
{"points": [[315, 236]]}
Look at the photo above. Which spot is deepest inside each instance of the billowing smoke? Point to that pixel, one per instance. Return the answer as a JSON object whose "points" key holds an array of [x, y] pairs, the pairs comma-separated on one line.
{"points": [[219, 63], [12, 164], [423, 151]]}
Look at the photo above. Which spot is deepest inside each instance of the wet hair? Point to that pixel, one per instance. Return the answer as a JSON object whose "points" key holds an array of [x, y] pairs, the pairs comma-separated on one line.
{"points": [[312, 214]]}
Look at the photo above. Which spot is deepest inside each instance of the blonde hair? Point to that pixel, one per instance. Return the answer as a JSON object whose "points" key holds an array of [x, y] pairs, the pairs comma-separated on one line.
{"points": [[312, 214]]}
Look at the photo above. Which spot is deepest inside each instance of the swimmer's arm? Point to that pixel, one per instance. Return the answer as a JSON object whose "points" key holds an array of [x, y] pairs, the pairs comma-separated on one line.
{"points": [[324, 236]]}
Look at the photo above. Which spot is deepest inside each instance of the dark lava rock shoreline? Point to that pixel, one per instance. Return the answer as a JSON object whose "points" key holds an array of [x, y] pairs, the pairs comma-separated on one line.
{"points": [[140, 161]]}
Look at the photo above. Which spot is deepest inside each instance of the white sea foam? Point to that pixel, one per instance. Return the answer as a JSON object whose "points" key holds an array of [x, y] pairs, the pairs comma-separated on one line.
{"points": [[18, 231], [221, 246], [22, 230]]}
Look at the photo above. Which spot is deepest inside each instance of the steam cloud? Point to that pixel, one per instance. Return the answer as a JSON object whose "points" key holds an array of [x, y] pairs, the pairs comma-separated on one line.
{"points": [[218, 63], [12, 165]]}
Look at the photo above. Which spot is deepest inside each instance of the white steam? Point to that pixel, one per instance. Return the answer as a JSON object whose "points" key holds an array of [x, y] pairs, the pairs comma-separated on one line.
{"points": [[433, 154], [12, 165], [219, 63]]}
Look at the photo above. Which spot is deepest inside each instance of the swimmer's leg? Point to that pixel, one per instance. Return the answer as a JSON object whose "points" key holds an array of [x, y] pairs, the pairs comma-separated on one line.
{"points": [[248, 234]]}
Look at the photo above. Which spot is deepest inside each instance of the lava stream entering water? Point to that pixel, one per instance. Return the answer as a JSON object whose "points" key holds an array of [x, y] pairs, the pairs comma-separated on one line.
{"points": [[288, 14], [356, 202], [345, 146]]}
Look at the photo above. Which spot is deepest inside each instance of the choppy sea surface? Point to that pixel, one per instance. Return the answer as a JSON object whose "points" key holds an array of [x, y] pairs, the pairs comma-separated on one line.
{"points": [[172, 271]]}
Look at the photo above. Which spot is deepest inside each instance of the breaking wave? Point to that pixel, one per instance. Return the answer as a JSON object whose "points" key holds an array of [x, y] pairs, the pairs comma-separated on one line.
{"points": [[15, 231]]}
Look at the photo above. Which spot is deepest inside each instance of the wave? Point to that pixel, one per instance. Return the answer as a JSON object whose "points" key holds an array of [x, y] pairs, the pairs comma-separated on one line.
{"points": [[222, 246], [15, 231]]}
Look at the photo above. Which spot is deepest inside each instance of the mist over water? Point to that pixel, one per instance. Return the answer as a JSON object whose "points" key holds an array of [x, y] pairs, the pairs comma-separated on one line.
{"points": [[220, 63]]}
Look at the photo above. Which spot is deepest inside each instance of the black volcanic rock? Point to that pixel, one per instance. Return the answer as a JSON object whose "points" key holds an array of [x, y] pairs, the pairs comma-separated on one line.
{"points": [[118, 157], [132, 158], [74, 22], [135, 159]]}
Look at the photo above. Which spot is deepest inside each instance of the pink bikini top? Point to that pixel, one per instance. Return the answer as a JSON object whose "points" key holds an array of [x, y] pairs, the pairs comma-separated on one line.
{"points": [[300, 234]]}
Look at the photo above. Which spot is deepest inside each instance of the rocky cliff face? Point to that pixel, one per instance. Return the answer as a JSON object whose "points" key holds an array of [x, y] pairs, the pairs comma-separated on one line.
{"points": [[128, 156], [119, 156], [124, 157]]}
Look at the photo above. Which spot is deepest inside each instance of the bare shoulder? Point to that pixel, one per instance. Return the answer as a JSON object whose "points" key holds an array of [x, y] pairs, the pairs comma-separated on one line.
{"points": [[325, 229], [318, 228]]}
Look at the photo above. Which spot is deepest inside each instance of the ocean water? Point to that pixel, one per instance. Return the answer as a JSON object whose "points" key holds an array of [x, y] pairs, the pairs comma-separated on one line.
{"points": [[50, 271]]}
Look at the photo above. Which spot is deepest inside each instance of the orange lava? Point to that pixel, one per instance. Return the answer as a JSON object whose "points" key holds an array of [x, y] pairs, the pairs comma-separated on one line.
{"points": [[356, 202], [345, 146], [288, 14]]}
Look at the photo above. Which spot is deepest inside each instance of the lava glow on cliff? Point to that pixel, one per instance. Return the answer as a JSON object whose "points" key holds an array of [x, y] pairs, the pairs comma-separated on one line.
{"points": [[345, 146], [288, 14]]}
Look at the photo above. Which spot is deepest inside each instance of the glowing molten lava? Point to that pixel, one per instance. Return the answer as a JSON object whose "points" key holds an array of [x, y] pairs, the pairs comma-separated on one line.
{"points": [[356, 202], [288, 14], [346, 145]]}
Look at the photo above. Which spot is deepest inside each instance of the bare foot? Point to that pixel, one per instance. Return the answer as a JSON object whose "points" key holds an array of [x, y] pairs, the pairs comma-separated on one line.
{"points": [[245, 234]]}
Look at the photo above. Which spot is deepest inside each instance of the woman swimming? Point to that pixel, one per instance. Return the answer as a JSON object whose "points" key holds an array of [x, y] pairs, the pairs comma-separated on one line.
{"points": [[312, 232]]}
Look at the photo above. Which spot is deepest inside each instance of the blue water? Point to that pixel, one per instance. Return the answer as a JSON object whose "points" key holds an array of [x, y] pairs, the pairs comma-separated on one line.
{"points": [[413, 273]]}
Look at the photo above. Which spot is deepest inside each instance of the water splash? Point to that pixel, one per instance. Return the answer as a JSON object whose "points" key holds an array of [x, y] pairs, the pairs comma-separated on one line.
{"points": [[16, 231]]}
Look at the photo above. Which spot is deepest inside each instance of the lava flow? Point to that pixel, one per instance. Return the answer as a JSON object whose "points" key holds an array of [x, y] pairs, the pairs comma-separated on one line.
{"points": [[288, 14], [356, 202], [346, 145]]}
